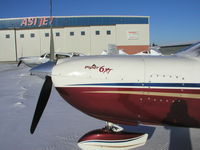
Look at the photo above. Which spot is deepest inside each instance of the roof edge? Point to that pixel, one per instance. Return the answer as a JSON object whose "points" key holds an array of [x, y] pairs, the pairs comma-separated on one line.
{"points": [[77, 16]]}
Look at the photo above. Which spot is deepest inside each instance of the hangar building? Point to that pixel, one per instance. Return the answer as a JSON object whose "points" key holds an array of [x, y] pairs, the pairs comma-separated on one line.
{"points": [[89, 35]]}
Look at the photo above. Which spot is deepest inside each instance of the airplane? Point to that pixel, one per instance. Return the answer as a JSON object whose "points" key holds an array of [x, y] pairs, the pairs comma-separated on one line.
{"points": [[152, 51], [33, 61], [126, 90], [112, 50]]}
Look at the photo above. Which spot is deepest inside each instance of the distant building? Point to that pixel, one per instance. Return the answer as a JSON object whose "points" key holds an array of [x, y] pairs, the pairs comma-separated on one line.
{"points": [[88, 35]]}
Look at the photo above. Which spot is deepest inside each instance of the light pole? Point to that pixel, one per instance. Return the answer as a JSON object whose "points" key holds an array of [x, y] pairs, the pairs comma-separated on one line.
{"points": [[51, 35]]}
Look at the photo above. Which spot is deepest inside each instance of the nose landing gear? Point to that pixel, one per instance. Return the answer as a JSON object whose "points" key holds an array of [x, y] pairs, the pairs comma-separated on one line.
{"points": [[111, 137]]}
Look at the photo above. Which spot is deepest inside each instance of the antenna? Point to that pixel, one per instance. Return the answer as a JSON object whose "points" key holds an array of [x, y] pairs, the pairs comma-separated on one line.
{"points": [[51, 35]]}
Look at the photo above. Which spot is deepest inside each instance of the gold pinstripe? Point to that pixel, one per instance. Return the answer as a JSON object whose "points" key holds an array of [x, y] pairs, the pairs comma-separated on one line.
{"points": [[182, 95]]}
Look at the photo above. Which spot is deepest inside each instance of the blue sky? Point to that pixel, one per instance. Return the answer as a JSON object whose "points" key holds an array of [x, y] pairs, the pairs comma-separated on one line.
{"points": [[171, 21]]}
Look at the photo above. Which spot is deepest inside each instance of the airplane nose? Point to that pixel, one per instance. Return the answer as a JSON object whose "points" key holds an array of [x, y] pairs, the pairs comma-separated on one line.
{"points": [[43, 70]]}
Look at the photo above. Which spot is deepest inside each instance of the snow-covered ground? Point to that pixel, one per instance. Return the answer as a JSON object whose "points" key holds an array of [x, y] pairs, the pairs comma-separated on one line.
{"points": [[62, 125]]}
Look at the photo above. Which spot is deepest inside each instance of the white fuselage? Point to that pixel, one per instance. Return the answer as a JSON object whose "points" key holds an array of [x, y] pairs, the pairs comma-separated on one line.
{"points": [[125, 69], [128, 89]]}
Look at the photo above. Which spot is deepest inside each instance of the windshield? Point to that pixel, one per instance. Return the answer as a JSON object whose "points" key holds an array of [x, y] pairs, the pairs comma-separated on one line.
{"points": [[43, 55]]}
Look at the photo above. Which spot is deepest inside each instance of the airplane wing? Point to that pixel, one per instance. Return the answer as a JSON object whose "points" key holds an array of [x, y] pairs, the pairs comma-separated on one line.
{"points": [[191, 51]]}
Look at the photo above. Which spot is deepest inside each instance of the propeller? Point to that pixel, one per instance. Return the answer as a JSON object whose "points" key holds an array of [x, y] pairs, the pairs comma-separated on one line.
{"points": [[19, 63], [44, 70], [42, 102]]}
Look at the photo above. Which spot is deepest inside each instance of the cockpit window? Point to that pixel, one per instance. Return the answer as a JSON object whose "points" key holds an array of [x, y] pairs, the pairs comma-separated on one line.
{"points": [[42, 55], [59, 56], [74, 55], [48, 56]]}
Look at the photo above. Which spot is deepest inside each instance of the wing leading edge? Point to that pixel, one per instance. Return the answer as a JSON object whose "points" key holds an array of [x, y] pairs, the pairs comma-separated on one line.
{"points": [[191, 51]]}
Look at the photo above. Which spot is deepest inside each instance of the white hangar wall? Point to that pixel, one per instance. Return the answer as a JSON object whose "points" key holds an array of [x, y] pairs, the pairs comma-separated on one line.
{"points": [[7, 48], [90, 39]]}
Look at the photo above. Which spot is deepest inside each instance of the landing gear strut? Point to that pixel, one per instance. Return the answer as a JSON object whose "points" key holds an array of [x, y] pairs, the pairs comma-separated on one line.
{"points": [[112, 127]]}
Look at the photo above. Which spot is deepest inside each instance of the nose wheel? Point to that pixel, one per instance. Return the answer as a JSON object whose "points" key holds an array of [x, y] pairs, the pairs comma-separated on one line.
{"points": [[111, 137]]}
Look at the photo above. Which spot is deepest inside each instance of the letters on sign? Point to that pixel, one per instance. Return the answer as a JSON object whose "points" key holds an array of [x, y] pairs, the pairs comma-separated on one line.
{"points": [[132, 35], [44, 21]]}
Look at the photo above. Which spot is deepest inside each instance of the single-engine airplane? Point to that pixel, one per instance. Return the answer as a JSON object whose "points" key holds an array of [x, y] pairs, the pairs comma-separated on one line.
{"points": [[127, 90], [33, 61]]}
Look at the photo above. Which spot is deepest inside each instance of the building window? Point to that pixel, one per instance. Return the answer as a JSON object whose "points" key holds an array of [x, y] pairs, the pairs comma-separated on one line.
{"points": [[97, 32], [108, 32], [82, 32], [57, 33], [46, 34], [7, 36], [71, 33], [32, 35], [21, 35]]}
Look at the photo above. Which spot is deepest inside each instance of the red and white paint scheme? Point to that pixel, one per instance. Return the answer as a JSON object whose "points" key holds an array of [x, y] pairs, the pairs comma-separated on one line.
{"points": [[106, 140], [162, 90], [132, 89]]}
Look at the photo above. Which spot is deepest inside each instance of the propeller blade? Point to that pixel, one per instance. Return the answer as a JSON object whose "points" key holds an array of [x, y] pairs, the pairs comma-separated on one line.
{"points": [[42, 101], [19, 63]]}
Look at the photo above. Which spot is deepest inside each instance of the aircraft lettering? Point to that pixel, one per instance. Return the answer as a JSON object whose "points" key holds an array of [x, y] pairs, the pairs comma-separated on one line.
{"points": [[102, 69], [91, 67]]}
